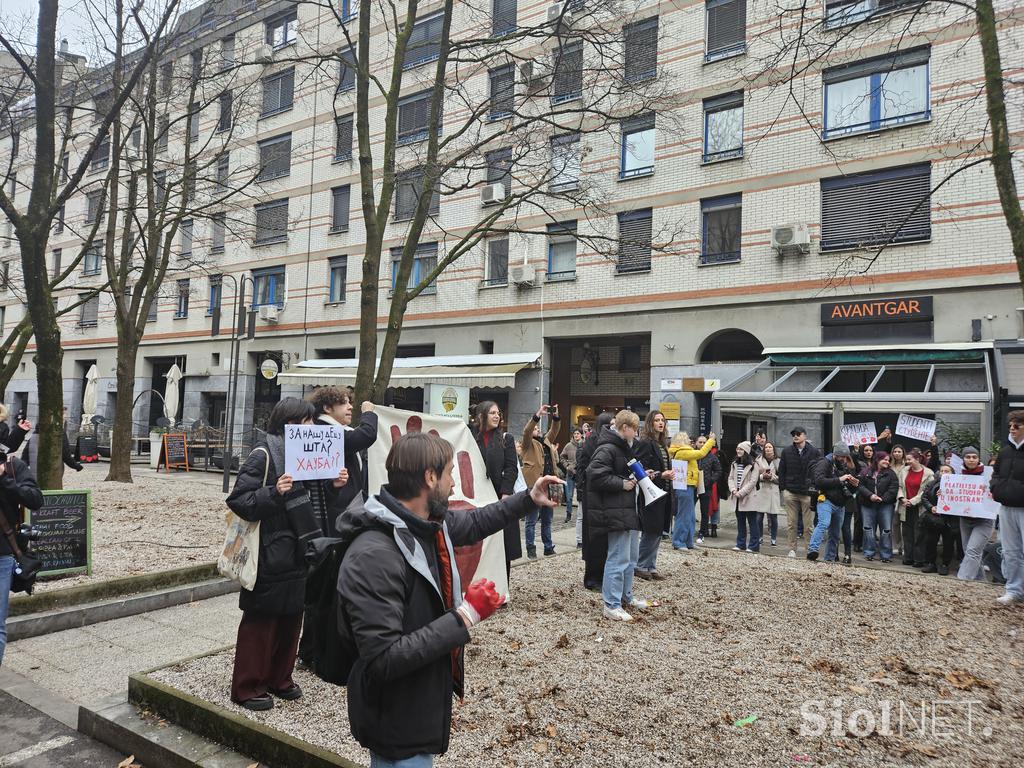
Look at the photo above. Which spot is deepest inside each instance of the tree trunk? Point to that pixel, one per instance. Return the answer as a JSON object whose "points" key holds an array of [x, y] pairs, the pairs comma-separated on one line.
{"points": [[390, 347], [12, 353], [1002, 163], [368, 297], [121, 434]]}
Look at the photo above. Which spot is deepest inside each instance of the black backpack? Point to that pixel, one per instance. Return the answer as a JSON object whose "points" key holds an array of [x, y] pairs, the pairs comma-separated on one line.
{"points": [[332, 655]]}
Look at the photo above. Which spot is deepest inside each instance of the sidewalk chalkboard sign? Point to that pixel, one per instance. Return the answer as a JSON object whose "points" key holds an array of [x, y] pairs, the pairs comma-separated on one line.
{"points": [[87, 448], [175, 450], [64, 523]]}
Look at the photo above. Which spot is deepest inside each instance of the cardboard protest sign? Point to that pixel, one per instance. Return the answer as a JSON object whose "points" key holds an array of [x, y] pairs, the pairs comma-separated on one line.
{"points": [[858, 434], [967, 496], [915, 427], [313, 451], [472, 489]]}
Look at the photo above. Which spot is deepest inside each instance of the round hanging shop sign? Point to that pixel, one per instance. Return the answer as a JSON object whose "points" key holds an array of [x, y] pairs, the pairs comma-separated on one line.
{"points": [[269, 368]]}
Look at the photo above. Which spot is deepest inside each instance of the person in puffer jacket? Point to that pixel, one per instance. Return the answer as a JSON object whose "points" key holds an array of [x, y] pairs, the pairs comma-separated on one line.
{"points": [[878, 490], [935, 526]]}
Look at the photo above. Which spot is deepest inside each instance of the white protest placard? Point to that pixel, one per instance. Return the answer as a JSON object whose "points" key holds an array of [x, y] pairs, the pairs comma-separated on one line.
{"points": [[915, 427], [858, 434], [967, 496], [313, 451], [679, 481]]}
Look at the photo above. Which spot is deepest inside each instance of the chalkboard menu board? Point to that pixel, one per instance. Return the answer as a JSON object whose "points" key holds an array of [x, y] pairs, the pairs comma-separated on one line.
{"points": [[64, 523], [175, 450], [87, 450]]}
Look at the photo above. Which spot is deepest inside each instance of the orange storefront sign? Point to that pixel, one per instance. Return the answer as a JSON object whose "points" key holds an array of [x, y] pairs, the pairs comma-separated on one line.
{"points": [[877, 311]]}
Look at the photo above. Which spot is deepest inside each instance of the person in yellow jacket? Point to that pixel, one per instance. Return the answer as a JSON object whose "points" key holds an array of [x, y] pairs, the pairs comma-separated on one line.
{"points": [[683, 526]]}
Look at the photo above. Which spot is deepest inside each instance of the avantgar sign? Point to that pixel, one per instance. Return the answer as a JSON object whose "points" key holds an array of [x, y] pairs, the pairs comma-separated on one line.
{"points": [[916, 308]]}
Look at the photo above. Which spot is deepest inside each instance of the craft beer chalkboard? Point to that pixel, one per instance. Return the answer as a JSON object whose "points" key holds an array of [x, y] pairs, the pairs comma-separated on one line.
{"points": [[175, 450], [64, 523]]}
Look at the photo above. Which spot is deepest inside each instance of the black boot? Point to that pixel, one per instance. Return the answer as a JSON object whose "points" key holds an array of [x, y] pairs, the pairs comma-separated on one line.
{"points": [[714, 531]]}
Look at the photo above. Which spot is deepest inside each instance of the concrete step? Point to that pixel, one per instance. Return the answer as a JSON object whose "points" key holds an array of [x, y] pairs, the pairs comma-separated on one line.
{"points": [[153, 740]]}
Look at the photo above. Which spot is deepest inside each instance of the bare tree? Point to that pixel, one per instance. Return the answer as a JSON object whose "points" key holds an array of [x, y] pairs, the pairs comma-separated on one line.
{"points": [[502, 105], [164, 188], [807, 38], [51, 92]]}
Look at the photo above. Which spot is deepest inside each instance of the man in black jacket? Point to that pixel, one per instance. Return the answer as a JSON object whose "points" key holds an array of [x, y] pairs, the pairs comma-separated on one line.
{"points": [[794, 469], [833, 477], [1008, 489], [402, 611], [595, 546], [18, 488]]}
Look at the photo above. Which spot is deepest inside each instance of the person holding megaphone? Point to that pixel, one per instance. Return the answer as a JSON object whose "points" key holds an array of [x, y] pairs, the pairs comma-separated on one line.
{"points": [[612, 509]]}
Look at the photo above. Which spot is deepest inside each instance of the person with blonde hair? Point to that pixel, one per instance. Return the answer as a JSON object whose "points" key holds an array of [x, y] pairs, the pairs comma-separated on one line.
{"points": [[612, 510], [685, 519]]}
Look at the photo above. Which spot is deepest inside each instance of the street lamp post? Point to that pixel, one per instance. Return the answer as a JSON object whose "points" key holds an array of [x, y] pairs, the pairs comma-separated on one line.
{"points": [[236, 347]]}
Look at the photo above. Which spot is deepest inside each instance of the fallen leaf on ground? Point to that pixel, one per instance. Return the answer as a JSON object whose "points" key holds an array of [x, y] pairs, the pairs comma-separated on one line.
{"points": [[551, 731], [563, 642], [964, 680], [126, 762], [541, 747], [860, 689], [945, 632]]}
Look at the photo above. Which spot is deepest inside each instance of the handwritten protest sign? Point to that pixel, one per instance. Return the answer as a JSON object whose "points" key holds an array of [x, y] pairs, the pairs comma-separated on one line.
{"points": [[956, 463], [967, 496], [858, 434], [679, 481], [915, 427], [313, 451]]}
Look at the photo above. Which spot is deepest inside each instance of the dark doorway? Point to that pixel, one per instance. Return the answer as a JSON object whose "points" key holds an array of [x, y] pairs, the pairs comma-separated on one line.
{"points": [[161, 366], [732, 346], [268, 392]]}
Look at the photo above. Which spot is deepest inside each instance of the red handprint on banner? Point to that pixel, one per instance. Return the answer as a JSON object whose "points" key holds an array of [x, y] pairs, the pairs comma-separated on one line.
{"points": [[467, 558]]}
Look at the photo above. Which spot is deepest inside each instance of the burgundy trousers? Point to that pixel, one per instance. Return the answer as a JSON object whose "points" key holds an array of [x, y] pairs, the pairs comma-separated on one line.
{"points": [[264, 654]]}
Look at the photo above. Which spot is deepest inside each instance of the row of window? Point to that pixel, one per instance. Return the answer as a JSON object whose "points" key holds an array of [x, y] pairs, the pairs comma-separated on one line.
{"points": [[856, 211]]}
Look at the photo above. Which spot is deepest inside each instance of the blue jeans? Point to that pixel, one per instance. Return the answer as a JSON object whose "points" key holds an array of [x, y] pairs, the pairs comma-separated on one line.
{"points": [[648, 551], [835, 531], [879, 515], [623, 553], [773, 524], [682, 529], [748, 521], [6, 575], [570, 488], [827, 511], [546, 514], [416, 761]]}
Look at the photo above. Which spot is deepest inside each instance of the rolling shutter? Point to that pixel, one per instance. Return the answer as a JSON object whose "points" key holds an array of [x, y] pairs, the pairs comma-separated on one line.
{"points": [[635, 241], [641, 49], [726, 26]]}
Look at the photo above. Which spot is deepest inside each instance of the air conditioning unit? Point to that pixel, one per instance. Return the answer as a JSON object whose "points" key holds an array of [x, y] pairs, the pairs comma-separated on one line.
{"points": [[268, 313], [264, 53], [555, 11], [492, 193], [522, 275], [535, 75], [791, 238]]}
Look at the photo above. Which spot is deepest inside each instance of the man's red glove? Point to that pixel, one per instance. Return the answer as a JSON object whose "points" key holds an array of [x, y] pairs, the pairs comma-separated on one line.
{"points": [[481, 600]]}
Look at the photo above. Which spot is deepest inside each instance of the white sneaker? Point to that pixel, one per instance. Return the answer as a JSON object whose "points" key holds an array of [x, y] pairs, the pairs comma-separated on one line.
{"points": [[751, 552], [683, 549], [700, 539], [792, 553], [736, 549], [1007, 599], [638, 604], [616, 614]]}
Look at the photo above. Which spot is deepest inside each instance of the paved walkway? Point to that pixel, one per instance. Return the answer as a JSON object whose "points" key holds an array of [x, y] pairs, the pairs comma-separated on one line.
{"points": [[34, 740]]}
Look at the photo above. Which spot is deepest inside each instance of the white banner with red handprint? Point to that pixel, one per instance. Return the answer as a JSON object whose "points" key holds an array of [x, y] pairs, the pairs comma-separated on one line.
{"points": [[472, 488], [967, 496]]}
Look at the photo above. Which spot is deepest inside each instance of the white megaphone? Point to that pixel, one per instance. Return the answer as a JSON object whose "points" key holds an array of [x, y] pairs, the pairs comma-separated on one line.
{"points": [[651, 492]]}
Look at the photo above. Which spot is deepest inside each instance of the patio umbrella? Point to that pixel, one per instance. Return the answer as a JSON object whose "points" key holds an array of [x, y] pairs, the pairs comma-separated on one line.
{"points": [[171, 393], [89, 396]]}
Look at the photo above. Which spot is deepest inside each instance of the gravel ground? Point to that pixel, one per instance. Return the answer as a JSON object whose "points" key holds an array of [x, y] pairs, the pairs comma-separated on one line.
{"points": [[157, 523], [717, 674]]}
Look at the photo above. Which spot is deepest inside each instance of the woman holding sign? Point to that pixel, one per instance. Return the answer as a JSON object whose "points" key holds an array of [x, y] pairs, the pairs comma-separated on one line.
{"points": [[975, 532], [268, 635]]}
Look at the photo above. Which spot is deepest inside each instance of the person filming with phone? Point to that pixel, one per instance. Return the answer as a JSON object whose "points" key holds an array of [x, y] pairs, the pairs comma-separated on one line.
{"points": [[540, 457]]}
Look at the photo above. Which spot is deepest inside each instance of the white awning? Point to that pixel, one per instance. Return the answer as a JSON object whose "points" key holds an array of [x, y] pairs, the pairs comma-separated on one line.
{"points": [[488, 371]]}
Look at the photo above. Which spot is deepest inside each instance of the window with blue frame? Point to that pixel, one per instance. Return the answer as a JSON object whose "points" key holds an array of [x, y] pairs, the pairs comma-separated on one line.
{"points": [[880, 208], [414, 117], [346, 70], [726, 29], [349, 9], [424, 41], [268, 287], [92, 261], [636, 157], [503, 18], [721, 229], [216, 294], [424, 262], [635, 234], [882, 92], [338, 278], [640, 41], [561, 251], [567, 80], [502, 82], [723, 127], [184, 291]]}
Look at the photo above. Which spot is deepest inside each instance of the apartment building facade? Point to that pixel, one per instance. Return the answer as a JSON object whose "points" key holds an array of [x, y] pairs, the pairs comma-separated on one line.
{"points": [[822, 218]]}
